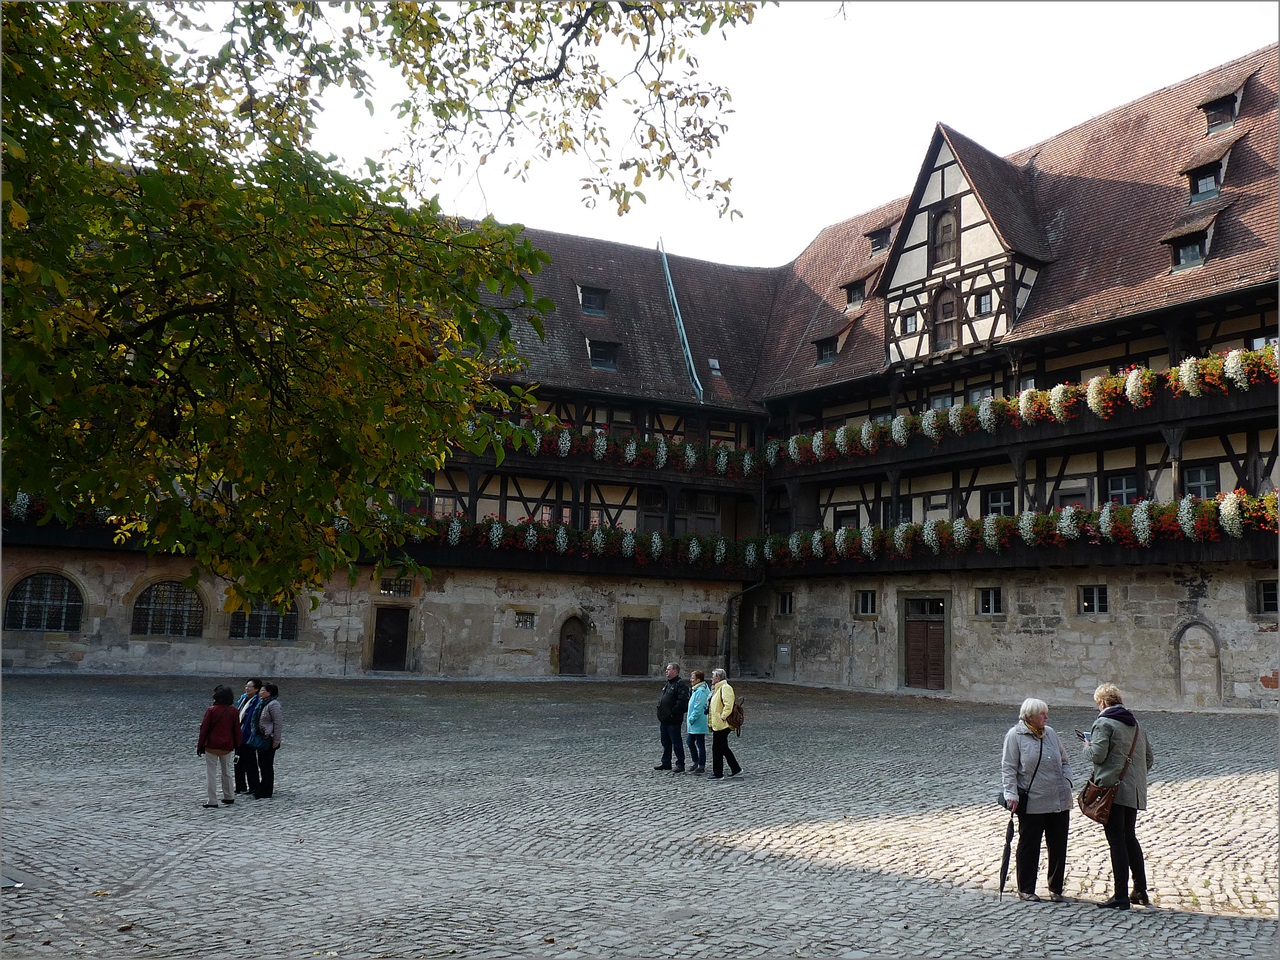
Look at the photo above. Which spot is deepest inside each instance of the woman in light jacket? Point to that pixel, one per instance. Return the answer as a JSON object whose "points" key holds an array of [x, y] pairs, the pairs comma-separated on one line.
{"points": [[696, 721], [1113, 735], [1034, 765], [721, 706], [267, 742]]}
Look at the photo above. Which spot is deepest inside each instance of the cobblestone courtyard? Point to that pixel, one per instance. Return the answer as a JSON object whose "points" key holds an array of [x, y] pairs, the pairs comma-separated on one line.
{"points": [[507, 819]]}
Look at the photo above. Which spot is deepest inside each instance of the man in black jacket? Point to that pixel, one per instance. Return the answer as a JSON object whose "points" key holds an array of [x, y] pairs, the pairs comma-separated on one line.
{"points": [[672, 705]]}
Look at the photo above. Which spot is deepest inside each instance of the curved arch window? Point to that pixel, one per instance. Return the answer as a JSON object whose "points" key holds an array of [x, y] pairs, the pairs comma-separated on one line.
{"points": [[944, 237], [44, 601], [265, 622], [946, 314], [168, 609]]}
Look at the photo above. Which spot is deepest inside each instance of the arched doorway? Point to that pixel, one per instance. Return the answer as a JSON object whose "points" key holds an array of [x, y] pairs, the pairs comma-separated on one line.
{"points": [[573, 648], [1199, 667]]}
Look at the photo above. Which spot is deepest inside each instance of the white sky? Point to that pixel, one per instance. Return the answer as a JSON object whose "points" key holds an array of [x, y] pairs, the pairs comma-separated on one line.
{"points": [[832, 116]]}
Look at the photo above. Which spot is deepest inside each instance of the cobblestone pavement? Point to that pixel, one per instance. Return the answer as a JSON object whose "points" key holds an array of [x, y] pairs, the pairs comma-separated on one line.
{"points": [[523, 819]]}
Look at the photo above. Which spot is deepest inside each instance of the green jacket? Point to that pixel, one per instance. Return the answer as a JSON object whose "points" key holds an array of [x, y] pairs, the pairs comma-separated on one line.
{"points": [[1107, 748]]}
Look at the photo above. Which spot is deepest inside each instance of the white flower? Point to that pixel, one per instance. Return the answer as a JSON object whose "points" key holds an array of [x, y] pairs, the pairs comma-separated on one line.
{"points": [[598, 540], [566, 442], [960, 533], [660, 453], [868, 435], [600, 446], [1095, 398], [771, 453], [987, 414], [899, 429], [1105, 521], [819, 444], [793, 449], [562, 539], [991, 532], [1142, 522], [1069, 523], [631, 452], [531, 538], [869, 542], [842, 439], [495, 535], [629, 543], [690, 456], [455, 531], [537, 442], [901, 535], [1187, 516], [1058, 398], [1135, 388], [1027, 527], [695, 550], [768, 550], [748, 463], [929, 534], [1026, 400], [1234, 369], [1230, 515], [954, 413], [931, 424], [750, 555], [816, 544], [655, 544], [843, 536], [722, 461], [1189, 375], [340, 523], [793, 544], [722, 550]]}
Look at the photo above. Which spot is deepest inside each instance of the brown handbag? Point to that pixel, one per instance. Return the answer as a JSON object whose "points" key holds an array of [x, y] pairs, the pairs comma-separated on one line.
{"points": [[1095, 801]]}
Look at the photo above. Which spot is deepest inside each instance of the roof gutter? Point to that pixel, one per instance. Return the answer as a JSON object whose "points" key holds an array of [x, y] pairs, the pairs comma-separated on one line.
{"points": [[684, 340]]}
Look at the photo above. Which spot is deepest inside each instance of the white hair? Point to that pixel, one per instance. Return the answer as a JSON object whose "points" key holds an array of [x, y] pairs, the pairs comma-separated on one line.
{"points": [[1030, 707]]}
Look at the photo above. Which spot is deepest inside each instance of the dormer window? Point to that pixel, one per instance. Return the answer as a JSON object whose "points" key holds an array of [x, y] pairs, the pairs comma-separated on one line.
{"points": [[854, 294], [879, 239], [1220, 113], [826, 350], [714, 364], [1190, 251], [593, 299], [1206, 181], [604, 356]]}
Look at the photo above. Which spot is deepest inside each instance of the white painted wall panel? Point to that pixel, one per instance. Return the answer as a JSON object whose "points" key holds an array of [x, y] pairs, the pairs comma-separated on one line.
{"points": [[932, 189], [912, 266]]}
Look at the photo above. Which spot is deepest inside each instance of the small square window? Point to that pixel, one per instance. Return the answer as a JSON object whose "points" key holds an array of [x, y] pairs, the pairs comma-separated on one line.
{"points": [[1257, 343], [786, 604], [524, 621], [714, 364], [1201, 482], [866, 603], [604, 356], [1189, 251], [826, 350], [990, 602], [904, 514], [1205, 182], [593, 300], [855, 294], [1221, 113], [444, 505], [1266, 596], [941, 401], [978, 394], [1123, 489], [1075, 497], [1093, 599], [999, 501], [909, 323], [396, 588], [982, 303], [879, 239], [1026, 383]]}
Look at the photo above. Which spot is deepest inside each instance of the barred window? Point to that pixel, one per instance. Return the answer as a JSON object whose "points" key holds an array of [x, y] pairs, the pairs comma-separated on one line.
{"points": [[44, 601], [264, 622], [168, 609]]}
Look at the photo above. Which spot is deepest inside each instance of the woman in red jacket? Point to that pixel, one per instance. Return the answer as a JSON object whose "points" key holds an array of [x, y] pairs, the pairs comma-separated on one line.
{"points": [[219, 738]]}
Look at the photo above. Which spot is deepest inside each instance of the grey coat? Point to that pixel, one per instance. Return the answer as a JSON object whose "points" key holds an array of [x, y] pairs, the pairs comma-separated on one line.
{"points": [[1108, 746], [1051, 789]]}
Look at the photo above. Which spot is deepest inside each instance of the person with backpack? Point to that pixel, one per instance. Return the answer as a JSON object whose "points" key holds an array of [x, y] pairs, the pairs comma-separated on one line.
{"points": [[696, 722], [722, 700], [672, 704]]}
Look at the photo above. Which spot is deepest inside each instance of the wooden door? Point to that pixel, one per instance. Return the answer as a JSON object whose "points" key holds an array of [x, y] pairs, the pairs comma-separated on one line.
{"points": [[573, 649], [635, 648], [390, 638], [926, 655]]}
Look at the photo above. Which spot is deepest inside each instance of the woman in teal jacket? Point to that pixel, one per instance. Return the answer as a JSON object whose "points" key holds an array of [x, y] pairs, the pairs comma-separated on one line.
{"points": [[696, 721]]}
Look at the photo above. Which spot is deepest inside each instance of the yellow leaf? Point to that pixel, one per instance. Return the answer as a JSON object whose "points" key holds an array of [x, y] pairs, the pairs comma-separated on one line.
{"points": [[17, 215]]}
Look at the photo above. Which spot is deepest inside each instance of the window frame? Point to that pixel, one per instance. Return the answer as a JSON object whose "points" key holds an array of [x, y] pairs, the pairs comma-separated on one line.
{"points": [[826, 348], [786, 605], [855, 294], [1195, 178], [866, 603], [193, 605], [1181, 246], [598, 297], [944, 251], [947, 296], [603, 354], [1111, 478], [879, 239], [990, 494], [984, 303], [68, 608], [1203, 483], [284, 627], [701, 637], [989, 602], [525, 619], [1265, 597], [1220, 114], [1092, 600]]}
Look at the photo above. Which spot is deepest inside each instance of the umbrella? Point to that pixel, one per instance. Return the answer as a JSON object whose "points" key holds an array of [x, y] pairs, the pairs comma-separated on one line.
{"points": [[1004, 859]]}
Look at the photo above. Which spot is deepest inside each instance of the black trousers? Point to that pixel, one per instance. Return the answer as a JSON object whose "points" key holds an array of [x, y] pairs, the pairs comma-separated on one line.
{"points": [[1121, 829], [246, 770], [720, 752], [1052, 828], [266, 771]]}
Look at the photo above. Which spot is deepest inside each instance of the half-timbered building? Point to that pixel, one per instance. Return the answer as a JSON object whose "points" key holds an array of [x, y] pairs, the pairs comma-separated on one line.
{"points": [[1011, 434]]}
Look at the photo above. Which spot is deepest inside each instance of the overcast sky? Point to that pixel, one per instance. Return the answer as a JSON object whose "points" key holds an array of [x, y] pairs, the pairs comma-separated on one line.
{"points": [[832, 116]]}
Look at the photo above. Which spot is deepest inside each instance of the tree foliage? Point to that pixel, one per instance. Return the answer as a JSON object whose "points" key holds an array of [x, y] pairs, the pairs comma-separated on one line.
{"points": [[232, 349]]}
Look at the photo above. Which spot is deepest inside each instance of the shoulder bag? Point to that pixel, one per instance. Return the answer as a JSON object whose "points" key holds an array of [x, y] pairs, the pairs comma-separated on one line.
{"points": [[1023, 795], [1095, 801]]}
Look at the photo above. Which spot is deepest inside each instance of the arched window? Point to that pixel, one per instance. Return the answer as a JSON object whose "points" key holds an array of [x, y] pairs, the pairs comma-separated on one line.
{"points": [[46, 602], [946, 314], [944, 237], [168, 609], [264, 622]]}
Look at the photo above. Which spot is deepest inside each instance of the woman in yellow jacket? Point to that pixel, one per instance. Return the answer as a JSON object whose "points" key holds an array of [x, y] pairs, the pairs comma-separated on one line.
{"points": [[718, 713]]}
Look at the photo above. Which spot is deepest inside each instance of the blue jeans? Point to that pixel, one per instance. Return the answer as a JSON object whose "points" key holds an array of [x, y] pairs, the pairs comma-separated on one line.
{"points": [[671, 741], [698, 749]]}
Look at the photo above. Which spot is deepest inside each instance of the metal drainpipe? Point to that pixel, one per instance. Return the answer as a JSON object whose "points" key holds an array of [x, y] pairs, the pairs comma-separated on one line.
{"points": [[684, 341], [728, 619]]}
